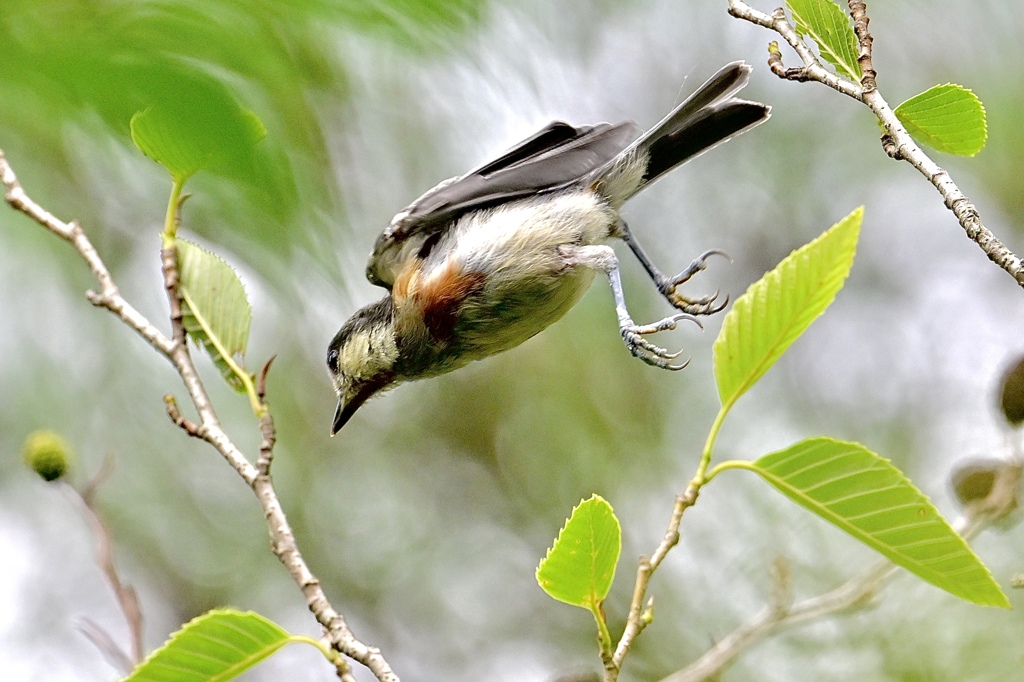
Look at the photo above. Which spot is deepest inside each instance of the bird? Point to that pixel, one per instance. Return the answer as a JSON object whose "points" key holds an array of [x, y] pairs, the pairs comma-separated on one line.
{"points": [[484, 261]]}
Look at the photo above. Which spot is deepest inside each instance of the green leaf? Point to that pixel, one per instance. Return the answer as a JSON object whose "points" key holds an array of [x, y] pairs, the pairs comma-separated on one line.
{"points": [[216, 311], [580, 566], [830, 28], [949, 118], [777, 309], [865, 495], [218, 645], [188, 136]]}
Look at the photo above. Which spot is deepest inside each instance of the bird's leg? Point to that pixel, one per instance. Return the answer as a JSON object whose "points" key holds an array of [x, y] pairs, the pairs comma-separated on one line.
{"points": [[704, 305], [603, 258]]}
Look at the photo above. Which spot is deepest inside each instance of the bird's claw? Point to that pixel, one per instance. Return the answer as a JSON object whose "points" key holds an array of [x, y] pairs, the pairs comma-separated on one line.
{"points": [[705, 305], [633, 335]]}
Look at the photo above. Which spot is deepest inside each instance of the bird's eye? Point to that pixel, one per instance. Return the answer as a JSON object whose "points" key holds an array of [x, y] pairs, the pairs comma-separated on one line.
{"points": [[332, 360]]}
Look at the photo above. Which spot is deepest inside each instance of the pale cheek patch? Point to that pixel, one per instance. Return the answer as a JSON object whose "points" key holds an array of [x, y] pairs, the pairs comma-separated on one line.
{"points": [[367, 354]]}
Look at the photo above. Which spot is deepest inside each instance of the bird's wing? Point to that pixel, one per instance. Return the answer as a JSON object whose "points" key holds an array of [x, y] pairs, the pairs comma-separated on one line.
{"points": [[551, 159]]}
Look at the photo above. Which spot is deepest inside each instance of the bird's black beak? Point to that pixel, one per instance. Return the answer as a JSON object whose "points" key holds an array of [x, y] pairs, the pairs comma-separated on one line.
{"points": [[347, 408], [343, 414]]}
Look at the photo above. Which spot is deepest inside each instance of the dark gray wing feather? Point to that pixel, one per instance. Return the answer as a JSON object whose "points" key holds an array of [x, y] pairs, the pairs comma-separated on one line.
{"points": [[551, 159]]}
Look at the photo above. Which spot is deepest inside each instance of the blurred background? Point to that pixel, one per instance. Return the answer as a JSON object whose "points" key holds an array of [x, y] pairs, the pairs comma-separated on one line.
{"points": [[426, 516]]}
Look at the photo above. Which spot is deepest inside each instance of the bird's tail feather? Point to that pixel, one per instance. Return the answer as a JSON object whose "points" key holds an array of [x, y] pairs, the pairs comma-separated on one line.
{"points": [[708, 117]]}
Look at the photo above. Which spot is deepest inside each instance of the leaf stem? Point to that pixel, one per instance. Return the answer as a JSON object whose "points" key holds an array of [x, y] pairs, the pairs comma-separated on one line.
{"points": [[603, 633], [171, 220], [700, 477], [728, 464], [328, 653], [336, 659]]}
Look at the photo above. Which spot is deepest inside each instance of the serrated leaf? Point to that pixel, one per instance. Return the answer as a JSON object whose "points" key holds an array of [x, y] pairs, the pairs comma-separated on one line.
{"points": [[865, 495], [216, 311], [580, 566], [217, 646], [949, 118], [189, 136], [777, 309], [830, 28]]}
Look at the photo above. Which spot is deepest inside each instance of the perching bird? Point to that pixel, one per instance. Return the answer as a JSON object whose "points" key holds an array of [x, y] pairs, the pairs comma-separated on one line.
{"points": [[482, 262]]}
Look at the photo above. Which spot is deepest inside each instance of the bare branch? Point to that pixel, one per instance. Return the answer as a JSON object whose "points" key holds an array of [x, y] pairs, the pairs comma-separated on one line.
{"points": [[127, 599], [857, 593], [896, 142], [109, 297], [102, 640], [98, 479], [640, 615], [859, 12], [186, 425], [209, 427]]}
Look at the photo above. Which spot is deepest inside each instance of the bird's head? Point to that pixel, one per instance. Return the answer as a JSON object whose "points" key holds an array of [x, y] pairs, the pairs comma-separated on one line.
{"points": [[361, 358]]}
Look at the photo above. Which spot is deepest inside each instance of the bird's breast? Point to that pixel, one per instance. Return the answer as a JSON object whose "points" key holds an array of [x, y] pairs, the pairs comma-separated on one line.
{"points": [[506, 269]]}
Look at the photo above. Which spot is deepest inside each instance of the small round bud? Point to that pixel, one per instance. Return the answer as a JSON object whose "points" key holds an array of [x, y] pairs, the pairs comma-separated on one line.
{"points": [[1012, 399], [47, 454]]}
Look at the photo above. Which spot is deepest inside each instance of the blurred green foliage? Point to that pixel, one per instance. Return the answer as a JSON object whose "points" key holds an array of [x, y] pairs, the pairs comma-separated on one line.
{"points": [[64, 61], [426, 517]]}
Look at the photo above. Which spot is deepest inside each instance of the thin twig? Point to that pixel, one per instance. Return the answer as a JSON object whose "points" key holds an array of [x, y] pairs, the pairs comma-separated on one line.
{"points": [[771, 619], [127, 598], [267, 430], [169, 267], [896, 142], [108, 297], [857, 593], [812, 69], [186, 425], [209, 427], [640, 615], [102, 640], [859, 12], [98, 479]]}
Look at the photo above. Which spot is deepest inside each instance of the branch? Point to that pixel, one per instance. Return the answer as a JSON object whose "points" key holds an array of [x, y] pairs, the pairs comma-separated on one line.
{"points": [[127, 598], [859, 13], [267, 430], [209, 428], [857, 593], [896, 142], [109, 297], [640, 615]]}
